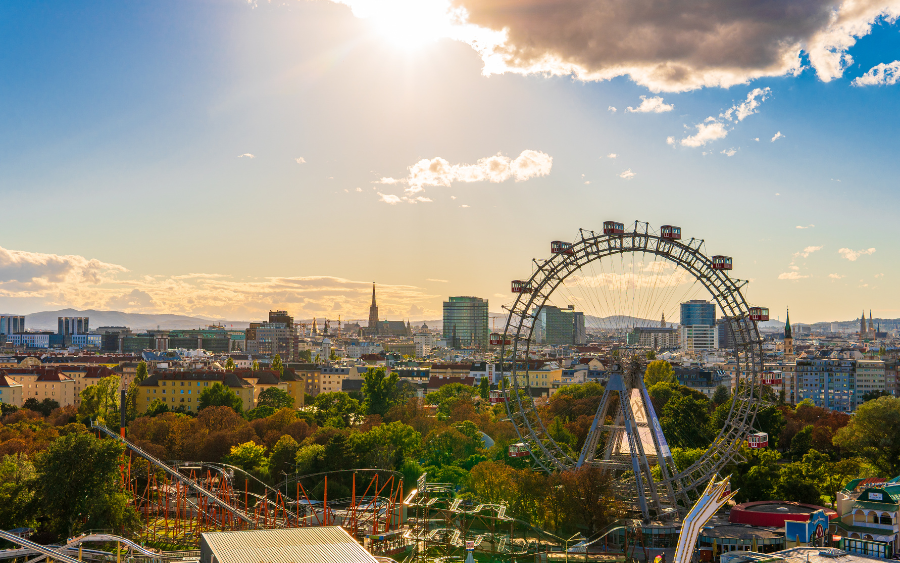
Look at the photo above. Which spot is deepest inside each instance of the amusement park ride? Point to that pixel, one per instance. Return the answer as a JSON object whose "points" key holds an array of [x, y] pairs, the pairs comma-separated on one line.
{"points": [[625, 437]]}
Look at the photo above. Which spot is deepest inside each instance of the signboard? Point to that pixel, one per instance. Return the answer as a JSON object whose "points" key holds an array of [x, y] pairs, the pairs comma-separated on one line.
{"points": [[875, 496], [470, 545]]}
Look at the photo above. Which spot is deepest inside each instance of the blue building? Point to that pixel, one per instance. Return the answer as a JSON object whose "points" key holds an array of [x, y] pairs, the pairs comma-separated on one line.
{"points": [[698, 312]]}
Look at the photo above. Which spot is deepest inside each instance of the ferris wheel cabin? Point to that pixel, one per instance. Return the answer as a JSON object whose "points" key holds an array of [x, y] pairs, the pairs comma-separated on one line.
{"points": [[520, 286], [497, 339], [518, 450], [721, 262], [670, 232], [613, 228], [758, 440], [771, 378], [759, 313], [497, 396], [560, 247]]}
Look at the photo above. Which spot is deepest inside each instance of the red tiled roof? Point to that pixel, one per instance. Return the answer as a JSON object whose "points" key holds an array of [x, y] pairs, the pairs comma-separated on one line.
{"points": [[6, 381]]}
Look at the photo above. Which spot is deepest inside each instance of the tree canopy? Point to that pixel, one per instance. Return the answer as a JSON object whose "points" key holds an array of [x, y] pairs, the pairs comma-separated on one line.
{"points": [[873, 434], [275, 398], [659, 371], [219, 395]]}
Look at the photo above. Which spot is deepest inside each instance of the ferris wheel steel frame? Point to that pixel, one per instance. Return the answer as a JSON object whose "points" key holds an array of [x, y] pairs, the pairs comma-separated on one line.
{"points": [[673, 492]]}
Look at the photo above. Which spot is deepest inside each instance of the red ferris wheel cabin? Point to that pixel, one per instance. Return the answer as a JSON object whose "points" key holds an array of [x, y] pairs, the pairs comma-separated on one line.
{"points": [[613, 228], [759, 313], [670, 232], [721, 262], [520, 286], [560, 247]]}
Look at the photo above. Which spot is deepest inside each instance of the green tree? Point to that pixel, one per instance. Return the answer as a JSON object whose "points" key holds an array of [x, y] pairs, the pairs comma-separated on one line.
{"points": [[16, 476], [283, 455], [44, 407], [484, 389], [872, 434], [797, 483], [7, 408], [448, 395], [337, 407], [386, 446], [651, 355], [379, 391], [871, 395], [254, 366], [101, 400], [757, 477], [77, 486], [278, 365], [721, 395], [140, 374], [659, 371], [305, 356], [310, 459], [685, 457], [275, 398], [156, 407], [662, 392], [801, 443], [248, 456], [219, 395], [229, 364], [685, 422]]}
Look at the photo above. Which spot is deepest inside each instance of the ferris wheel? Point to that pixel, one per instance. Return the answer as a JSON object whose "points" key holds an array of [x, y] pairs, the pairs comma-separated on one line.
{"points": [[620, 282]]}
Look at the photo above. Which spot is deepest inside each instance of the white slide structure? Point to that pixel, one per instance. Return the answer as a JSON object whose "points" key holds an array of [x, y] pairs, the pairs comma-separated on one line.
{"points": [[713, 498]]}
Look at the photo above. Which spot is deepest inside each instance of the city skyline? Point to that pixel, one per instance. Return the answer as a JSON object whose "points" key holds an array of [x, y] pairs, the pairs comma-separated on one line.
{"points": [[228, 159]]}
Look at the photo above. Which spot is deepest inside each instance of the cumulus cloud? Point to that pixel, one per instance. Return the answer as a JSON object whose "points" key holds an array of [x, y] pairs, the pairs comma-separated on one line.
{"points": [[670, 141], [389, 181], [651, 105], [880, 75], [810, 226], [300, 160], [835, 276], [808, 250], [793, 276], [777, 136], [34, 274], [853, 255], [612, 155], [611, 109], [674, 46], [498, 168], [628, 174], [715, 128], [246, 154], [390, 199], [729, 152], [437, 280]]}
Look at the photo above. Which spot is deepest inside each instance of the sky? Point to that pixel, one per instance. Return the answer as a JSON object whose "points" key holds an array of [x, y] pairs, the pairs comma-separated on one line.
{"points": [[221, 158]]}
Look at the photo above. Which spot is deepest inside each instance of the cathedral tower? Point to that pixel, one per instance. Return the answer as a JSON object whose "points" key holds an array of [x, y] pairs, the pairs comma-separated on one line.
{"points": [[788, 339], [373, 314]]}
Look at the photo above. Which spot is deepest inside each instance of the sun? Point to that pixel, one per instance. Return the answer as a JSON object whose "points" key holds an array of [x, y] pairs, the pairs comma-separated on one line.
{"points": [[408, 24]]}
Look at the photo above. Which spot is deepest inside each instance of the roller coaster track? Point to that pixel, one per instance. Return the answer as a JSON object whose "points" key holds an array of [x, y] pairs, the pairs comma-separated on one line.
{"points": [[56, 555], [190, 483], [75, 542]]}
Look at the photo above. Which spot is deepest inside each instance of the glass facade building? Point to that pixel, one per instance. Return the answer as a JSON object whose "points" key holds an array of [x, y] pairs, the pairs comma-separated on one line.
{"points": [[466, 322], [559, 327], [698, 312]]}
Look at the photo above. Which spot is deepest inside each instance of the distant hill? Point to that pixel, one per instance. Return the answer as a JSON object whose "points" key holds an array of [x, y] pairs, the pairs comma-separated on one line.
{"points": [[47, 320]]}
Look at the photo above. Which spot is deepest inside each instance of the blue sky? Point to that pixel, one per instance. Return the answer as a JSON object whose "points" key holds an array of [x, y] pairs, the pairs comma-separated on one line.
{"points": [[123, 186]]}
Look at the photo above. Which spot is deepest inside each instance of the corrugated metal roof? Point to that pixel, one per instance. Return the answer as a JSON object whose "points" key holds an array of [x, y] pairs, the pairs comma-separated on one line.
{"points": [[323, 544]]}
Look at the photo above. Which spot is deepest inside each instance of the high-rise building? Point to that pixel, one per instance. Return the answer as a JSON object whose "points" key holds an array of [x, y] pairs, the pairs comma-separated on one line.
{"points": [[698, 326], [725, 334], [466, 322], [288, 321], [67, 326], [373, 314], [559, 327], [12, 324]]}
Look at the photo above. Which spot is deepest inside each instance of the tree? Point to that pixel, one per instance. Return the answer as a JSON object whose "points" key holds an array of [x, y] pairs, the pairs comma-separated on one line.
{"points": [[140, 374], [721, 395], [229, 364], [16, 475], [101, 400], [44, 407], [248, 456], [659, 371], [310, 459], [278, 365], [484, 389], [386, 446], [448, 395], [254, 366], [156, 407], [651, 355], [336, 408], [219, 395], [283, 456], [305, 356], [77, 486], [590, 498], [6, 408], [379, 390], [685, 422], [275, 398], [872, 434], [756, 478], [871, 395]]}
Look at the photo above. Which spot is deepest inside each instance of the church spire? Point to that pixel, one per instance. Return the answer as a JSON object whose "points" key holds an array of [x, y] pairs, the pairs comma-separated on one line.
{"points": [[373, 314], [662, 323], [787, 324]]}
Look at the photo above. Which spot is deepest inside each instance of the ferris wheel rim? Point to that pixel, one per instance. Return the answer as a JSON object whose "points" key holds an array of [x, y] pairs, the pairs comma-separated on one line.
{"points": [[688, 256]]}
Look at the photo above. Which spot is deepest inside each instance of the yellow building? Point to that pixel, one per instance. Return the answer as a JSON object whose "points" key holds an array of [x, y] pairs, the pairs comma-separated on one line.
{"points": [[543, 381], [296, 387], [183, 388], [45, 383], [84, 377], [10, 391], [261, 380]]}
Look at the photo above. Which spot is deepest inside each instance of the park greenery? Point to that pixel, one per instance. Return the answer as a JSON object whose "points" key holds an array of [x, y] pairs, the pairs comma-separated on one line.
{"points": [[59, 478]]}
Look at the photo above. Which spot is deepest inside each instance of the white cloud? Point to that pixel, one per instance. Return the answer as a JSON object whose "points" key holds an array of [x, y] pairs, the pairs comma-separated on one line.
{"points": [[776, 193], [424, 199], [715, 128], [729, 152], [390, 199], [756, 139], [300, 160], [611, 109], [777, 136], [835, 276], [389, 181], [453, 197], [464, 205], [880, 75], [670, 141], [247, 154], [808, 250], [628, 174], [651, 105], [810, 226], [498, 168], [793, 276], [437, 280], [879, 275], [674, 46], [359, 189], [612, 155], [852, 255]]}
